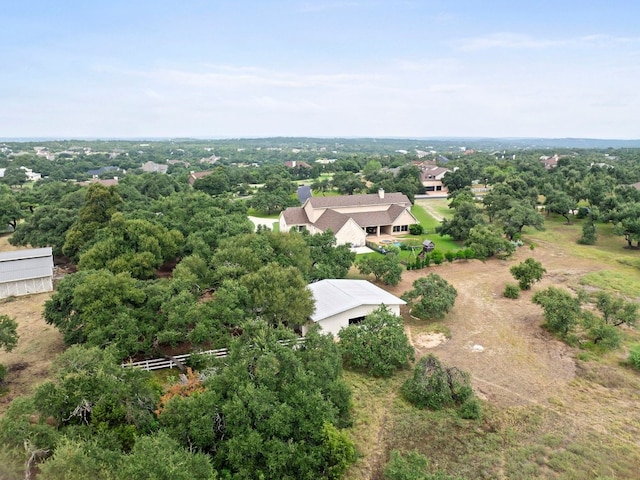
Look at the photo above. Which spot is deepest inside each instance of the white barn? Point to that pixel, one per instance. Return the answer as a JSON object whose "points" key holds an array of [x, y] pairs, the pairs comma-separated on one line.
{"points": [[23, 272], [341, 302]]}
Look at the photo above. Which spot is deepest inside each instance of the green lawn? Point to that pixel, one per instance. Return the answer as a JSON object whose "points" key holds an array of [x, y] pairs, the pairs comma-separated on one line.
{"points": [[444, 244], [622, 274]]}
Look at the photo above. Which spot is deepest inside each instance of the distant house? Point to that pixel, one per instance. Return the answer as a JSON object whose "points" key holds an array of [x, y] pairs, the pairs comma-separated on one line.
{"points": [[340, 303], [151, 167], [99, 171], [352, 217], [431, 178], [178, 162], [107, 182], [31, 175], [23, 272], [549, 162], [636, 185], [193, 176], [296, 164]]}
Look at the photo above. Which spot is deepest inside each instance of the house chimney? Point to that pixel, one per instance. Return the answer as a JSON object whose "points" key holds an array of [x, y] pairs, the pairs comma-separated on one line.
{"points": [[381, 193]]}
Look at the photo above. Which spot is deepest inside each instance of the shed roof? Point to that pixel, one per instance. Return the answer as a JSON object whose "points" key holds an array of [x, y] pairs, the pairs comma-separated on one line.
{"points": [[335, 296], [26, 264]]}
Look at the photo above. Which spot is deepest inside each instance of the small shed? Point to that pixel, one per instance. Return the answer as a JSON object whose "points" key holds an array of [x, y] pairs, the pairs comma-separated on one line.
{"points": [[428, 246], [23, 272], [342, 302]]}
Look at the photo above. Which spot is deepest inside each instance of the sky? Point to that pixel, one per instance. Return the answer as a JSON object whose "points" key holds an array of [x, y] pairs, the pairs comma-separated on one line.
{"points": [[324, 68]]}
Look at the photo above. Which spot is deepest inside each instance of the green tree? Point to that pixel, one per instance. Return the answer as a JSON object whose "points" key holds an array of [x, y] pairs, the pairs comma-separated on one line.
{"points": [[91, 390], [518, 216], [279, 295], [135, 246], [100, 203], [626, 222], [466, 216], [487, 241], [8, 339], [617, 311], [14, 176], [8, 333], [267, 410], [562, 311], [561, 203], [436, 386], [431, 297], [385, 268], [457, 179], [272, 202], [347, 183], [100, 309], [159, 457], [328, 259], [634, 355], [216, 183], [527, 273], [378, 345], [10, 210], [589, 234]]}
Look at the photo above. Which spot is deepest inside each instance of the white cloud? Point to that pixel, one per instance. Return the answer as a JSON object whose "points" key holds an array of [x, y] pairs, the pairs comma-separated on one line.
{"points": [[508, 40]]}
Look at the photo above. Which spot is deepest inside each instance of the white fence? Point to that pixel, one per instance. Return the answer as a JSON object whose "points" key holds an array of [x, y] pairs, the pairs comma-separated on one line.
{"points": [[161, 363]]}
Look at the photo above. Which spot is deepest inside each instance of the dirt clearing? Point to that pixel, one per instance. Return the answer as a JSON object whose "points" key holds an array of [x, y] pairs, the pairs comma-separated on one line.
{"points": [[38, 343]]}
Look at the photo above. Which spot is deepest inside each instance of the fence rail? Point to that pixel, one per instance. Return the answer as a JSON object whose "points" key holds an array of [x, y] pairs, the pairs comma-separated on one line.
{"points": [[162, 363]]}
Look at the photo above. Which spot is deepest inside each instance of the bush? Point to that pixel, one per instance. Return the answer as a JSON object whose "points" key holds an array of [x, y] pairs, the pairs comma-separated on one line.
{"points": [[470, 409], [634, 355], [412, 466], [416, 229], [435, 386], [583, 212], [377, 346], [527, 273], [437, 257], [511, 290], [431, 297], [589, 235], [450, 256]]}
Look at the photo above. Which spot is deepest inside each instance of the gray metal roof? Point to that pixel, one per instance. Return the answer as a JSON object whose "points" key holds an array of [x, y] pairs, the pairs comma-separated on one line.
{"points": [[26, 264], [334, 296]]}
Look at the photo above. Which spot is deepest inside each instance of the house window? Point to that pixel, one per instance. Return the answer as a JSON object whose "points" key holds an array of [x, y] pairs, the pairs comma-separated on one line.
{"points": [[396, 228], [356, 321], [400, 228]]}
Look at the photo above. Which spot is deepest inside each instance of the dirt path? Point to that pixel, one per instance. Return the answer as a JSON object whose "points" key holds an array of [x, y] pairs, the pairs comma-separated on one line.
{"points": [[499, 340], [429, 208]]}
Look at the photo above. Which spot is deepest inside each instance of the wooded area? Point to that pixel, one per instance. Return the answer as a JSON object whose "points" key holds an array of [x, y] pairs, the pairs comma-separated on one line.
{"points": [[160, 265]]}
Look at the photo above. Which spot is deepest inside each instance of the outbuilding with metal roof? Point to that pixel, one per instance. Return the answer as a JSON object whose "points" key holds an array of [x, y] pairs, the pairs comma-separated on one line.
{"points": [[23, 272], [342, 302]]}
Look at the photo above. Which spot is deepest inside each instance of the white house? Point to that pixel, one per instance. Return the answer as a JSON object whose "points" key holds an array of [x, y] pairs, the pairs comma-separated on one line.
{"points": [[23, 272], [352, 217], [340, 303]]}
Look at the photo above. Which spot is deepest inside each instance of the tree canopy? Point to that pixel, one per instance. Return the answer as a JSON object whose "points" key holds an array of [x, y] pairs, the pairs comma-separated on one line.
{"points": [[378, 345], [431, 297]]}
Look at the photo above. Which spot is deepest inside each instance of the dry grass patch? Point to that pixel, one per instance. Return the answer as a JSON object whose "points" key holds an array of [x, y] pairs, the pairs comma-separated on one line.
{"points": [[38, 343]]}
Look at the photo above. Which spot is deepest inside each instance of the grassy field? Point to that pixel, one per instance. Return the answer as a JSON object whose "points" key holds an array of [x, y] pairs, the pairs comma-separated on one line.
{"points": [[623, 274], [583, 427]]}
